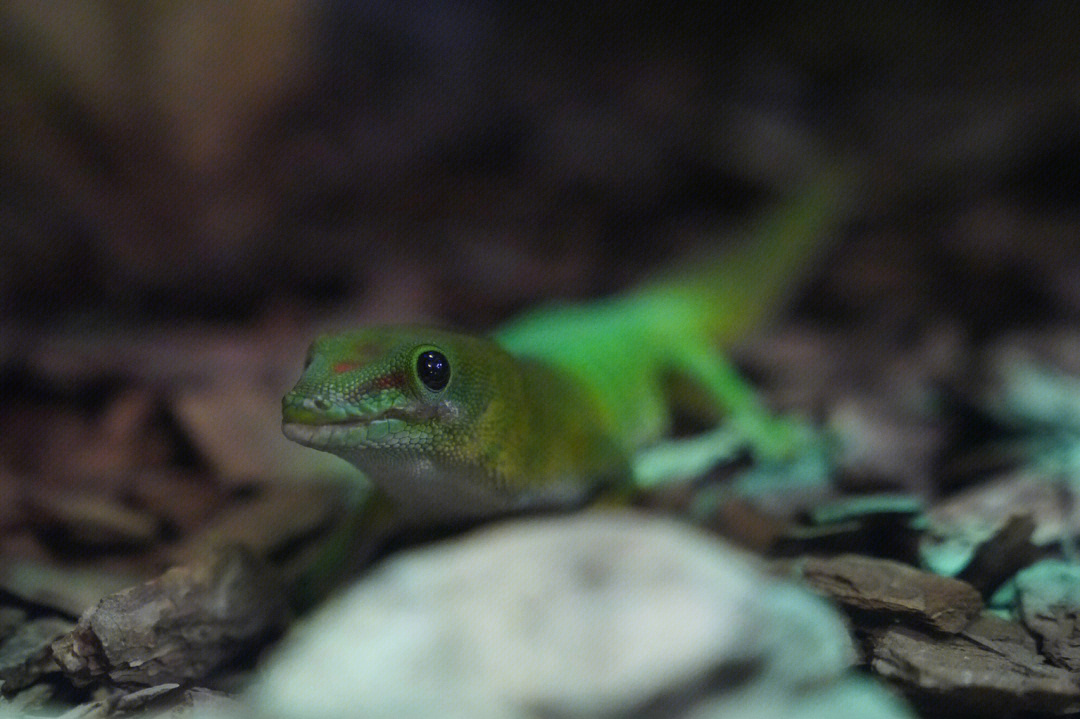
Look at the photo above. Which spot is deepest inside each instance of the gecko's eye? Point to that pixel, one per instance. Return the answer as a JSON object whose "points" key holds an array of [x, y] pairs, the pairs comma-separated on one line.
{"points": [[433, 369]]}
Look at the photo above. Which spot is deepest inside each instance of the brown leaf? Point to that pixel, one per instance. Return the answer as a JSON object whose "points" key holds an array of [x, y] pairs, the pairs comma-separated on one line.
{"points": [[177, 627], [893, 590], [991, 669]]}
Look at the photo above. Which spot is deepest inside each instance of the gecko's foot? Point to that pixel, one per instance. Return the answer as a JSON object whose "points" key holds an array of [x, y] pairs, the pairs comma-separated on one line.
{"points": [[683, 460], [782, 447]]}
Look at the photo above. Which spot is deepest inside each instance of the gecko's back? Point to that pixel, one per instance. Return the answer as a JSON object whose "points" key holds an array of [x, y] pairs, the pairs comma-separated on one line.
{"points": [[626, 349]]}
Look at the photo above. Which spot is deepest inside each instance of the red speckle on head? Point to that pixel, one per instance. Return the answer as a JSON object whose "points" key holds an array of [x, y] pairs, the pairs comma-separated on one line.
{"points": [[340, 367]]}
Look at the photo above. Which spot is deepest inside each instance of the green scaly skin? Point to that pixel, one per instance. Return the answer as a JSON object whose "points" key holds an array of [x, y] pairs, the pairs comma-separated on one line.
{"points": [[553, 405]]}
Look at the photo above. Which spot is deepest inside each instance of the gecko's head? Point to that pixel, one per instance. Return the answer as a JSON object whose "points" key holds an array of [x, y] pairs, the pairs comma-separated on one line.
{"points": [[397, 389]]}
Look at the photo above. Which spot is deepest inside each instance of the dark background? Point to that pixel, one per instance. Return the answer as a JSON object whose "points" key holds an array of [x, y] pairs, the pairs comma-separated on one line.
{"points": [[190, 192], [460, 160]]}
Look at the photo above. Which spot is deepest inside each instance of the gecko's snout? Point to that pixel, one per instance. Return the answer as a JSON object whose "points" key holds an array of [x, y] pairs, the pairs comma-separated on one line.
{"points": [[299, 408], [292, 409], [303, 406]]}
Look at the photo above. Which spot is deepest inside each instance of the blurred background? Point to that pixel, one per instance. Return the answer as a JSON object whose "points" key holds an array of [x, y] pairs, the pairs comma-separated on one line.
{"points": [[189, 192], [226, 161]]}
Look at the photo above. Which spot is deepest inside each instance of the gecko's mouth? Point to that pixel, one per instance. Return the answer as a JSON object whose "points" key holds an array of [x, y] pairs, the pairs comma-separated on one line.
{"points": [[338, 434], [315, 422], [326, 429]]}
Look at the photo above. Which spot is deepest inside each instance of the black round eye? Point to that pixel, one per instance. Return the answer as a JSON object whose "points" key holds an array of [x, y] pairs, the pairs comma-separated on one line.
{"points": [[433, 369]]}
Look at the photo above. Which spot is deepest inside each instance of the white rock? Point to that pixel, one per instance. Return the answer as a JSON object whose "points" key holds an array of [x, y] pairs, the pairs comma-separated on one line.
{"points": [[601, 613]]}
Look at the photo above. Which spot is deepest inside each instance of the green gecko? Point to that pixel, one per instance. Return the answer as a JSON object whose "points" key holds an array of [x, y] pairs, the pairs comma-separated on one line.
{"points": [[553, 405]]}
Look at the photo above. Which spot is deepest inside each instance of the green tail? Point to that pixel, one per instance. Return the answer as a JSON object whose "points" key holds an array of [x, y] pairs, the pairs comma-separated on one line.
{"points": [[624, 350], [742, 288]]}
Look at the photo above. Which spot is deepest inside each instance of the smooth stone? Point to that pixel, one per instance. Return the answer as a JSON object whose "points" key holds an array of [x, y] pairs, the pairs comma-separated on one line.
{"points": [[600, 614]]}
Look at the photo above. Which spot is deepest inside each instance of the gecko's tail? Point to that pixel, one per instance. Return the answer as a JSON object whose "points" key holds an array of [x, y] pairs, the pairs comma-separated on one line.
{"points": [[739, 289]]}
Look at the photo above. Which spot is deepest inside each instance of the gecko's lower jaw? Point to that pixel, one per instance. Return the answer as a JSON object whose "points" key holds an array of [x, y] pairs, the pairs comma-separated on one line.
{"points": [[342, 434]]}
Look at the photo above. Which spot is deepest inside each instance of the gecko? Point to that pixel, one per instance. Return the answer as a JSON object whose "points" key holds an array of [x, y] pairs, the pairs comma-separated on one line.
{"points": [[554, 404]]}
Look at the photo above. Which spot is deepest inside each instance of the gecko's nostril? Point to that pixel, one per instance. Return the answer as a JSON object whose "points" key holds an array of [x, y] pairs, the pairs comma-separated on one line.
{"points": [[319, 404]]}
